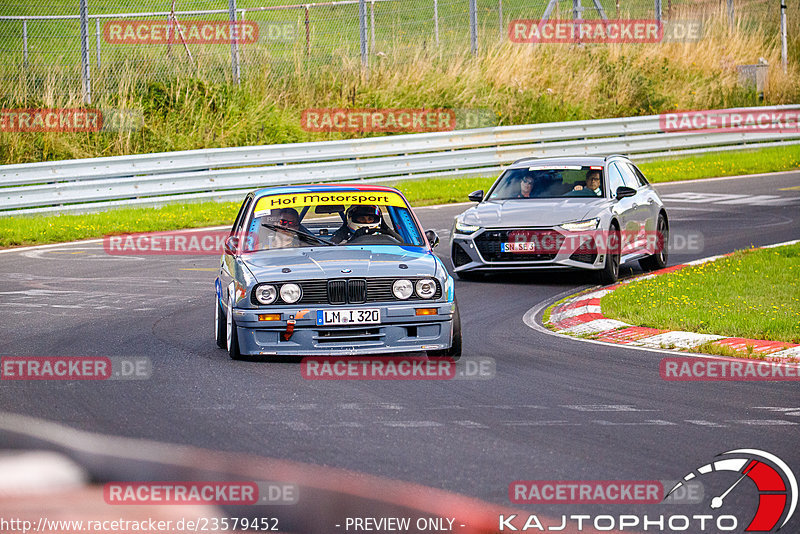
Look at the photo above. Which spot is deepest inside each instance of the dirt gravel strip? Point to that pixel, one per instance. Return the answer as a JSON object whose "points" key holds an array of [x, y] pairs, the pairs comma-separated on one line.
{"points": [[582, 316]]}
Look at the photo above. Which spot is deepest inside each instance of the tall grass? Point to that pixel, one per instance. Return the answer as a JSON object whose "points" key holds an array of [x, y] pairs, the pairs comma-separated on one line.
{"points": [[519, 83]]}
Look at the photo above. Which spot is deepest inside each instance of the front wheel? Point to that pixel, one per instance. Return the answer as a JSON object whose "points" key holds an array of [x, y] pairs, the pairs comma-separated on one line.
{"points": [[231, 336], [610, 271], [220, 333], [659, 259], [454, 351]]}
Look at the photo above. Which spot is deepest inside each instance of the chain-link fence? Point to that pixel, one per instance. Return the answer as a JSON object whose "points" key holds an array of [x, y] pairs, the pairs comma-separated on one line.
{"points": [[94, 47]]}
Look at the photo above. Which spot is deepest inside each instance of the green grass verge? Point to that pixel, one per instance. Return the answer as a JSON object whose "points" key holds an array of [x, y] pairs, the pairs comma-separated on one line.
{"points": [[752, 294], [32, 230], [772, 159]]}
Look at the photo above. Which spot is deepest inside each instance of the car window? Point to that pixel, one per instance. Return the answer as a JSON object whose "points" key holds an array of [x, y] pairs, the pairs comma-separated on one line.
{"points": [[326, 218], [614, 178], [237, 223], [629, 176], [639, 176], [553, 181]]}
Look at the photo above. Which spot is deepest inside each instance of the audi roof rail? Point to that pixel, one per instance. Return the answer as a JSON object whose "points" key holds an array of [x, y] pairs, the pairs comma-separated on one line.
{"points": [[616, 156]]}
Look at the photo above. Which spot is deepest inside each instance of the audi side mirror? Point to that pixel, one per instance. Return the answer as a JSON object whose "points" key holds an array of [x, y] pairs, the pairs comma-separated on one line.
{"points": [[476, 196], [625, 192]]}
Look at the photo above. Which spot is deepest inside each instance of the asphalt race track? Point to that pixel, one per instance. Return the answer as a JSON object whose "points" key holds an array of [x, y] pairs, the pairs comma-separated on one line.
{"points": [[557, 409]]}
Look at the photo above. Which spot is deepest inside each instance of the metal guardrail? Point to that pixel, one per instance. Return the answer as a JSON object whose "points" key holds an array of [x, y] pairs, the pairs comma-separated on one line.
{"points": [[226, 173]]}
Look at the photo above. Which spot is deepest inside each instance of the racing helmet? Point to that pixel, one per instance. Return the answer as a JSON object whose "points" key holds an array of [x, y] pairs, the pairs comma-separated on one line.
{"points": [[362, 216]]}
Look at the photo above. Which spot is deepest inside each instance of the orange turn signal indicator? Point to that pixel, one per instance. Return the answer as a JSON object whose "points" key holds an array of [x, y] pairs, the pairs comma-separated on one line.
{"points": [[269, 317], [427, 311]]}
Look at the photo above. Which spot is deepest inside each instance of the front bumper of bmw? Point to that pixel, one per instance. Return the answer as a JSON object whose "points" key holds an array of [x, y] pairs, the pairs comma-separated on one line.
{"points": [[401, 329]]}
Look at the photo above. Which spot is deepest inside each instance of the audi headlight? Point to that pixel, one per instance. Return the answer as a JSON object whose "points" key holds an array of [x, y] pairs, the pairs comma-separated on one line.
{"points": [[463, 228], [588, 224], [266, 294], [402, 289], [426, 288], [291, 293]]}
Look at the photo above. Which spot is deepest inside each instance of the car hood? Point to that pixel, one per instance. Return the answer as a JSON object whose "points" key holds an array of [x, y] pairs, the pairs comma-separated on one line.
{"points": [[340, 262], [533, 212]]}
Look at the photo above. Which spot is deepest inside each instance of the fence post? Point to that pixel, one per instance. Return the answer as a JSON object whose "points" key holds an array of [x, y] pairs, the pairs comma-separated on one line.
{"points": [[25, 43], [436, 20], [500, 15], [97, 41], [784, 49], [372, 23], [362, 27], [85, 75], [234, 41], [658, 10], [731, 19], [473, 26], [308, 31]]}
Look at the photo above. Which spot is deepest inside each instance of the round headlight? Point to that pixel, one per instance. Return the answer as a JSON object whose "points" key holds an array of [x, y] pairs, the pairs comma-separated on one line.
{"points": [[266, 294], [402, 289], [426, 288], [290, 293]]}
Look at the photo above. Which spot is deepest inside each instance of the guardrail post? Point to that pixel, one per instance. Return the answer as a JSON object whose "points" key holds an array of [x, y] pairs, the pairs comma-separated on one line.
{"points": [[85, 75], [473, 26], [362, 32], [234, 33]]}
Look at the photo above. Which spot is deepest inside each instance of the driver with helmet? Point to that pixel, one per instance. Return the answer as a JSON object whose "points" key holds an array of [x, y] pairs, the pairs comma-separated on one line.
{"points": [[361, 220]]}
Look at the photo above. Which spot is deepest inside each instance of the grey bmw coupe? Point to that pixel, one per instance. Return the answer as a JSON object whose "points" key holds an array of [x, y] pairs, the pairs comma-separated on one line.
{"points": [[333, 270]]}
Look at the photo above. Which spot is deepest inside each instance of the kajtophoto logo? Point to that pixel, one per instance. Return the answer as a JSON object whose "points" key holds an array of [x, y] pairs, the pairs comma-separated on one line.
{"points": [[775, 481], [775, 484]]}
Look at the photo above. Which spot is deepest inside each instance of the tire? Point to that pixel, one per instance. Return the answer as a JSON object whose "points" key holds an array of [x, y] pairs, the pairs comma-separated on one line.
{"points": [[454, 351], [220, 325], [610, 271], [231, 336], [659, 259]]}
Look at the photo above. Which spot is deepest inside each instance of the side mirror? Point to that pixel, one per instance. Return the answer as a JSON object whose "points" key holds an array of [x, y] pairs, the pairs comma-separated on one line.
{"points": [[476, 196], [231, 245], [624, 192], [433, 237]]}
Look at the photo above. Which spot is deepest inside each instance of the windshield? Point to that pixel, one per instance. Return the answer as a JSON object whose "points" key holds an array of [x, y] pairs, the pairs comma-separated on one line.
{"points": [[549, 182], [332, 219]]}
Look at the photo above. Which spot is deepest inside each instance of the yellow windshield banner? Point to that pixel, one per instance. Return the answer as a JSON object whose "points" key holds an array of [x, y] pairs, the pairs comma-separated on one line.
{"points": [[346, 198]]}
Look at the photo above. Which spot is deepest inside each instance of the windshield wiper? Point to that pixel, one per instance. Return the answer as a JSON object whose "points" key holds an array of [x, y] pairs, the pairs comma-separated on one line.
{"points": [[298, 233]]}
